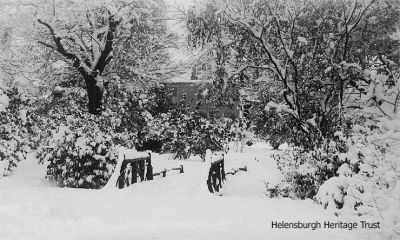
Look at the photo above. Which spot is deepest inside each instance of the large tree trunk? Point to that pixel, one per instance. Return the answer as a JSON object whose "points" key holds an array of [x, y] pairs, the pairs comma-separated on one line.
{"points": [[95, 94], [90, 60]]}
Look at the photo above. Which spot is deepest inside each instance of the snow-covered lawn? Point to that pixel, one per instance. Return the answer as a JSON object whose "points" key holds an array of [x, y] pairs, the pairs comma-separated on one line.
{"points": [[175, 207]]}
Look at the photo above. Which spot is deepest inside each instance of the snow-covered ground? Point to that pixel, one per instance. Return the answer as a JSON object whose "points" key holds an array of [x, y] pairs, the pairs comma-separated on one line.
{"points": [[175, 207]]}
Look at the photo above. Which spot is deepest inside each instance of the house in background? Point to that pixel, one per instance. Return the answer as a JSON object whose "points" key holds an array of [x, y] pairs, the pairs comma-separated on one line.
{"points": [[195, 88]]}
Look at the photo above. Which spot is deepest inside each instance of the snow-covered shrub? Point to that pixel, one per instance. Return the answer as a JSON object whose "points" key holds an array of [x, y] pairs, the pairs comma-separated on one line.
{"points": [[304, 171], [268, 123], [192, 134], [82, 152], [4, 101], [332, 192], [212, 134], [185, 132], [14, 129], [83, 157], [80, 148], [271, 126], [374, 187]]}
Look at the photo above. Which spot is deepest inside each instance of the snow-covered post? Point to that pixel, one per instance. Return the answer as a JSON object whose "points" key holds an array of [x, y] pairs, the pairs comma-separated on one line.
{"points": [[112, 182], [149, 169], [135, 158], [214, 164]]}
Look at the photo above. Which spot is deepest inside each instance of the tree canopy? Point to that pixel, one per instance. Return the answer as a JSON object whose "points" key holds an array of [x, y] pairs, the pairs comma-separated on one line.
{"points": [[316, 50]]}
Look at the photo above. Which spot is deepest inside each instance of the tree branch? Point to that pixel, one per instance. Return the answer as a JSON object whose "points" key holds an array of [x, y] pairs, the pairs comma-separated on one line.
{"points": [[76, 61], [106, 53]]}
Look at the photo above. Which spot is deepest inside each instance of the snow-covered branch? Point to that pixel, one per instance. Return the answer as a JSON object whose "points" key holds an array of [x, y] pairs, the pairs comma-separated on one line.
{"points": [[77, 61]]}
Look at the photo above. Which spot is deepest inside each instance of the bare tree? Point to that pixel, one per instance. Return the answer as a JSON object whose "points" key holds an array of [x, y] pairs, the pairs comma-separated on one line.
{"points": [[89, 50]]}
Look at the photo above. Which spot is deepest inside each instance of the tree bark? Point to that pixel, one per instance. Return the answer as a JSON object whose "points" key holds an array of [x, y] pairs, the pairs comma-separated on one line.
{"points": [[95, 94], [90, 69]]}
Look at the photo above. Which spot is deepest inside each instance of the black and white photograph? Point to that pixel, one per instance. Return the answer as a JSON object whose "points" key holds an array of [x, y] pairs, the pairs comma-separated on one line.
{"points": [[200, 119]]}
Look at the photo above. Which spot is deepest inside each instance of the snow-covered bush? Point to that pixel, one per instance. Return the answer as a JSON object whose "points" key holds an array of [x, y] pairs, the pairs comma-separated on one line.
{"points": [[304, 171], [82, 152], [374, 187], [79, 148], [192, 134], [83, 157], [211, 134], [270, 125], [14, 129], [185, 132]]}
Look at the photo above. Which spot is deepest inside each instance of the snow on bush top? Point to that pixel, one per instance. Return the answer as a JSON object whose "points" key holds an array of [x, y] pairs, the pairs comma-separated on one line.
{"points": [[22, 116], [4, 101]]}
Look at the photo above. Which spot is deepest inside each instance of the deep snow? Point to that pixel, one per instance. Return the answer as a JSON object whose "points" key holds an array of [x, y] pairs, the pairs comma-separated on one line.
{"points": [[175, 207]]}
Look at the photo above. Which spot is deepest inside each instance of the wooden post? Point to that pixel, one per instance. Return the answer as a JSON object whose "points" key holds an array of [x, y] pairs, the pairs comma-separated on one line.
{"points": [[180, 168], [142, 166], [121, 179], [223, 169], [209, 182], [149, 172], [243, 169], [139, 166], [216, 174], [134, 172]]}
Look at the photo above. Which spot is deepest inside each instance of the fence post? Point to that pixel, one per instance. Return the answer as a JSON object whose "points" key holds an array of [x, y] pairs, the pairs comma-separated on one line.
{"points": [[216, 172], [121, 179], [149, 169], [223, 168], [134, 172]]}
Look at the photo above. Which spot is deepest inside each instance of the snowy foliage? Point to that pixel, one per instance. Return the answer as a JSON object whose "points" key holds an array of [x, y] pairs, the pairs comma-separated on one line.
{"points": [[85, 157], [79, 148], [373, 142], [104, 41], [269, 123], [185, 132], [4, 101], [315, 64], [15, 129], [373, 188], [322, 76], [305, 171]]}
